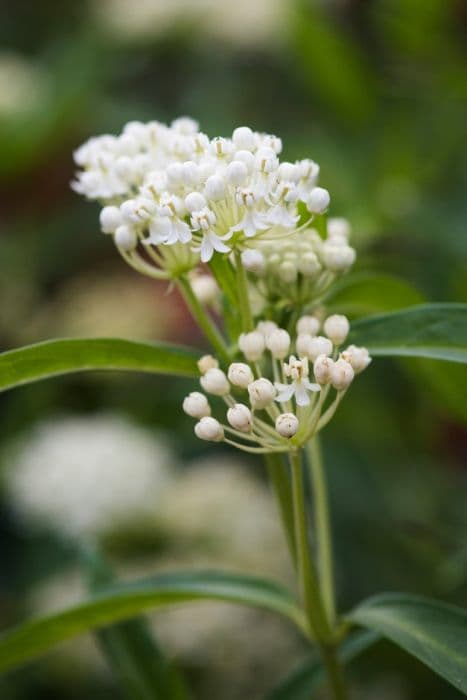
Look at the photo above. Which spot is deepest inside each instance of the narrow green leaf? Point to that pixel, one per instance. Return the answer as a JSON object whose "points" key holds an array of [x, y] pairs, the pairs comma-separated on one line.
{"points": [[310, 675], [124, 601], [55, 357], [438, 331], [131, 651], [433, 632], [371, 293]]}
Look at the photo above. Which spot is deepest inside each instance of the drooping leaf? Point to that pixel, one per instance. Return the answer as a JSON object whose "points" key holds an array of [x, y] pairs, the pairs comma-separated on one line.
{"points": [[123, 601], [371, 293], [310, 675], [437, 331], [433, 632], [130, 648], [55, 357]]}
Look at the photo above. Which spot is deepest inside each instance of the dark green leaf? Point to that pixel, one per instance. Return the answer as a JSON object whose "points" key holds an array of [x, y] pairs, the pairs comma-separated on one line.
{"points": [[310, 675], [433, 632], [438, 331], [142, 671], [371, 293], [124, 601], [54, 357]]}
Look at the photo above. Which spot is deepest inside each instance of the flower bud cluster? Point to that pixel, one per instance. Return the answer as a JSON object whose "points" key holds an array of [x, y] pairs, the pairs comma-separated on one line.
{"points": [[166, 186], [300, 266], [275, 398]]}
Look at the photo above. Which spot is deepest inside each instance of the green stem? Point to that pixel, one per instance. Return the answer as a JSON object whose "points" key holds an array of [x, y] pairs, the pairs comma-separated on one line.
{"points": [[204, 321], [243, 298], [322, 529], [277, 470], [334, 672], [305, 566]]}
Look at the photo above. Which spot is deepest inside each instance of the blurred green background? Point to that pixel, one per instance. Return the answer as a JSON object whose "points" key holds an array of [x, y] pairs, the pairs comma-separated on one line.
{"points": [[376, 92]]}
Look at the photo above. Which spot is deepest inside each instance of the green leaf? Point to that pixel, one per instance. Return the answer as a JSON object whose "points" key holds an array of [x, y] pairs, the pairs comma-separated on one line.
{"points": [[142, 671], [371, 293], [55, 357], [310, 675], [438, 331], [433, 632], [124, 601]]}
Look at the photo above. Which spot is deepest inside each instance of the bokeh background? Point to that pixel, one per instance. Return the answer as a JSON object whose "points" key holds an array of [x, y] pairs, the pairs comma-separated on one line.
{"points": [[376, 92]]}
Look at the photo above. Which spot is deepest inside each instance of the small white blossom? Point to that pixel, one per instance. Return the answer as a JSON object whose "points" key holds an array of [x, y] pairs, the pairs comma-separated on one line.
{"points": [[308, 324], [240, 417], [278, 342], [207, 362], [300, 386], [318, 200], [287, 425], [196, 405], [253, 261], [358, 357], [252, 345], [261, 393], [338, 258], [209, 429], [312, 346], [342, 374], [336, 328], [205, 288], [322, 367], [240, 374], [215, 382]]}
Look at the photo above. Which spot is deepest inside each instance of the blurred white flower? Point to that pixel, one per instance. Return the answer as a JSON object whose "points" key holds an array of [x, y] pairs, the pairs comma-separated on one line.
{"points": [[88, 476], [23, 84]]}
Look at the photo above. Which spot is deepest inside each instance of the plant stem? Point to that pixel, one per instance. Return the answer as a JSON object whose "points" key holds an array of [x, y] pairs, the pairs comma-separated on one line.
{"points": [[305, 566], [277, 470], [204, 321], [334, 672], [243, 298], [322, 529]]}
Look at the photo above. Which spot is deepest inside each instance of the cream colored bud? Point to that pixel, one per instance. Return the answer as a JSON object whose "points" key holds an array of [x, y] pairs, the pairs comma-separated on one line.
{"points": [[195, 202], [342, 374], [253, 261], [308, 324], [287, 271], [240, 417], [322, 368], [209, 429], [240, 374], [278, 342], [266, 328], [207, 362], [336, 328], [312, 346], [338, 229], [252, 345], [287, 425], [215, 188], [358, 357], [338, 258], [318, 200], [261, 392], [196, 405], [205, 288], [308, 264], [244, 138], [215, 382], [125, 238], [110, 219]]}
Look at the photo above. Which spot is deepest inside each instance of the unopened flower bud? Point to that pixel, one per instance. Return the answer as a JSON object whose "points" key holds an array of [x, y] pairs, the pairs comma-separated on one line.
{"points": [[278, 342], [240, 374], [358, 357], [318, 200], [261, 392], [214, 188], [236, 172], [287, 271], [240, 417], [338, 229], [253, 261], [338, 258], [266, 328], [336, 328], [308, 324], [312, 346], [195, 202], [205, 288], [247, 158], [215, 382], [209, 429], [308, 264], [110, 219], [252, 345], [196, 405], [244, 138], [342, 374], [287, 424], [125, 238], [207, 362], [191, 174], [322, 367]]}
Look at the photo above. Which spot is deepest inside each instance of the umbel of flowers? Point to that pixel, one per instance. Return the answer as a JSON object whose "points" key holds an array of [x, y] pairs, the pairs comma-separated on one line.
{"points": [[277, 401]]}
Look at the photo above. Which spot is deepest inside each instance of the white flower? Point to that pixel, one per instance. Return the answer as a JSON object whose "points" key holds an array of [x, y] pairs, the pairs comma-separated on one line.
{"points": [[287, 424], [88, 476], [359, 358], [278, 342], [318, 200], [205, 288], [215, 382], [336, 328], [300, 386], [240, 417], [308, 324], [312, 346], [209, 429], [196, 405], [261, 392], [253, 261], [252, 345], [207, 362], [342, 374], [322, 367], [240, 374]]}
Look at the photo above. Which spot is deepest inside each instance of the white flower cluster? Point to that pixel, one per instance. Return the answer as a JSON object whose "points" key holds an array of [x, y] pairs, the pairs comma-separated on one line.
{"points": [[169, 186], [287, 407], [88, 476]]}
